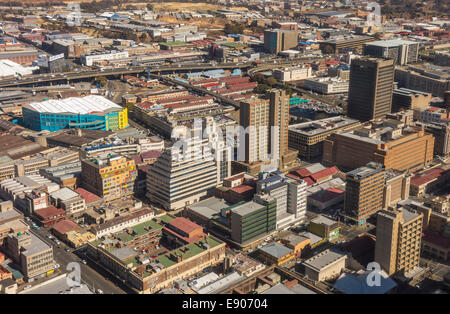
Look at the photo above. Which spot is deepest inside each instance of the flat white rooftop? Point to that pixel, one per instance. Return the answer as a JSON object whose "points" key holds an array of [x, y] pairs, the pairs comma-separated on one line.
{"points": [[77, 105]]}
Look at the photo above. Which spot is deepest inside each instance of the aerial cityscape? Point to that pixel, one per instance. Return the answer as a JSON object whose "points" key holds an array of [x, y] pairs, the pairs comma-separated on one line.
{"points": [[225, 147]]}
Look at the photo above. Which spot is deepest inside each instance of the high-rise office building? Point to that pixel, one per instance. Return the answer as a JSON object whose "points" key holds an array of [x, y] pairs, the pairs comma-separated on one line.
{"points": [[267, 121], [371, 88], [277, 40], [397, 247], [219, 148], [254, 115], [279, 119], [192, 168], [364, 192], [182, 177]]}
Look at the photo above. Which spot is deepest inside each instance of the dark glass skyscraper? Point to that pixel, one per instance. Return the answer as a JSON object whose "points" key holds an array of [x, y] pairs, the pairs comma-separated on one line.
{"points": [[371, 88]]}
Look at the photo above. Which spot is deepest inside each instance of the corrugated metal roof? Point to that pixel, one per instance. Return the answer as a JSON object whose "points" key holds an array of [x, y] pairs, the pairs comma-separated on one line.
{"points": [[82, 105]]}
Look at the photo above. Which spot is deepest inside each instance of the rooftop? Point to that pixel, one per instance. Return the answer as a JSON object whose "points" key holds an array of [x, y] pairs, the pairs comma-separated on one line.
{"points": [[49, 212], [276, 249], [65, 226], [357, 284], [36, 245], [221, 284], [323, 220], [88, 196], [247, 208], [324, 259], [409, 214], [121, 219], [187, 251], [390, 43], [209, 207], [86, 105], [64, 194], [138, 230], [321, 126], [427, 176], [57, 285], [363, 172]]}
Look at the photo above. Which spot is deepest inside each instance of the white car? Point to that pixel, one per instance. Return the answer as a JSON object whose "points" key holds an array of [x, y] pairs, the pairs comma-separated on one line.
{"points": [[27, 287], [99, 291]]}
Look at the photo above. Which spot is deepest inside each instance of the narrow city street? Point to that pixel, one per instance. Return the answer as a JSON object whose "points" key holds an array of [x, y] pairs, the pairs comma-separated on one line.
{"points": [[91, 277]]}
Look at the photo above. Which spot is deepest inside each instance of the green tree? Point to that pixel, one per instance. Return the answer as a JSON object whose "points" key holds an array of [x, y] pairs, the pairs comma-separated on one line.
{"points": [[271, 81], [234, 28], [258, 77], [262, 88], [287, 88]]}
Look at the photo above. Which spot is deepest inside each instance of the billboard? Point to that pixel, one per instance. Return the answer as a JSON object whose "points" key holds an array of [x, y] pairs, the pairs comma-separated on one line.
{"points": [[53, 58], [42, 61]]}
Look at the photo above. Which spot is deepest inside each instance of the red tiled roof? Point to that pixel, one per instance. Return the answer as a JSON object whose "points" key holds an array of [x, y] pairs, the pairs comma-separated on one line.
{"points": [[236, 177], [210, 85], [239, 96], [334, 190], [426, 176], [88, 196], [194, 238], [174, 100], [65, 226], [203, 81], [308, 180], [184, 225], [189, 104], [242, 189], [324, 173], [326, 195], [303, 172], [49, 211]]}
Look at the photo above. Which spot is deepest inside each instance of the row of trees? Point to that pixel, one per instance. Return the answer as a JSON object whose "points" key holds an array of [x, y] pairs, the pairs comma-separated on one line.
{"points": [[264, 84]]}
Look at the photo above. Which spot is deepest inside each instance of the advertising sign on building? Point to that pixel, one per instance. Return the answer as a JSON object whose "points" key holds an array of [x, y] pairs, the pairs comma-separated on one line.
{"points": [[53, 58]]}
